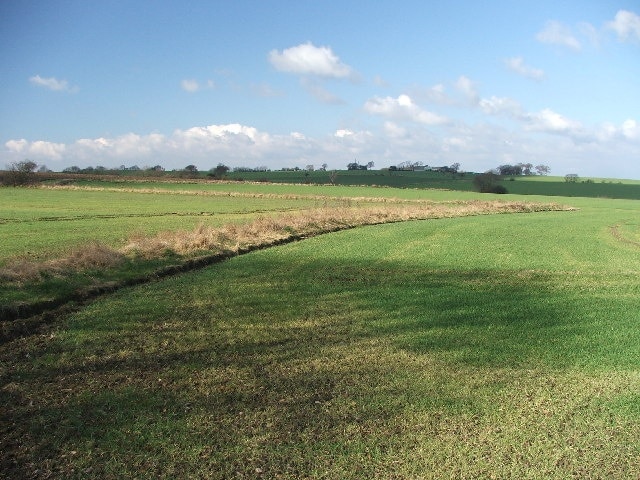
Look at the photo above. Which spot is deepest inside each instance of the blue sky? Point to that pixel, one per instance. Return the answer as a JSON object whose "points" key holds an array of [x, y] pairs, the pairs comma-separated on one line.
{"points": [[285, 84]]}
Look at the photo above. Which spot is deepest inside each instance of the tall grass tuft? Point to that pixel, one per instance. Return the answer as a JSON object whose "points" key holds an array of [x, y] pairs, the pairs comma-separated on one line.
{"points": [[88, 257]]}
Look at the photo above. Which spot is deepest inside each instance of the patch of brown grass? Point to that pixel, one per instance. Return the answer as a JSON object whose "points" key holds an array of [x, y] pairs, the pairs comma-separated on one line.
{"points": [[266, 230], [88, 257], [263, 231]]}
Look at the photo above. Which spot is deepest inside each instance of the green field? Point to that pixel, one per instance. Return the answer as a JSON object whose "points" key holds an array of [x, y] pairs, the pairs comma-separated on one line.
{"points": [[491, 346], [521, 185]]}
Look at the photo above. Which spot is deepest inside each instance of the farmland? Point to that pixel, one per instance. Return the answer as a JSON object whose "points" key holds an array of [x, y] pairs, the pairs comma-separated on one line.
{"points": [[469, 338]]}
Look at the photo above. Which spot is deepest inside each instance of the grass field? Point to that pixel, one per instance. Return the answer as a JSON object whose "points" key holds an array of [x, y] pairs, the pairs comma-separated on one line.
{"points": [[521, 185], [492, 346]]}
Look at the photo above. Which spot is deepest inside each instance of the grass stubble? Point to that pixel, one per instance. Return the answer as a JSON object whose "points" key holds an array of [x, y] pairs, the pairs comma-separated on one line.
{"points": [[324, 361]]}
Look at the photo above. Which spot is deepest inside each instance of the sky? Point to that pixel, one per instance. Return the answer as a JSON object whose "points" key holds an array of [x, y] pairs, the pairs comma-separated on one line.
{"points": [[283, 84]]}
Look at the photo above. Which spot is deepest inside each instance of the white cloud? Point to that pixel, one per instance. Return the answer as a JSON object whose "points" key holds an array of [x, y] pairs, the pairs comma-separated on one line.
{"points": [[190, 85], [626, 24], [343, 132], [436, 94], [307, 59], [631, 130], [402, 108], [549, 121], [555, 33], [213, 137], [468, 89], [517, 65], [394, 130], [543, 137], [17, 146], [298, 136], [591, 33], [499, 105], [53, 84], [38, 149]]}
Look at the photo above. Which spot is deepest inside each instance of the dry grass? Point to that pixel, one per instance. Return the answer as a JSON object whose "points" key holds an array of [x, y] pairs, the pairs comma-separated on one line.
{"points": [[269, 229], [264, 230], [88, 257]]}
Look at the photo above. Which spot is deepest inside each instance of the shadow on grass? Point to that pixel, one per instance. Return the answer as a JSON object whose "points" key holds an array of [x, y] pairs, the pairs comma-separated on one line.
{"points": [[257, 367]]}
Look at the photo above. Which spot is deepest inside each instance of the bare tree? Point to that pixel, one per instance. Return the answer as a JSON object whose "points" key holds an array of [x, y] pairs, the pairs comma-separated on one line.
{"points": [[542, 169], [21, 173]]}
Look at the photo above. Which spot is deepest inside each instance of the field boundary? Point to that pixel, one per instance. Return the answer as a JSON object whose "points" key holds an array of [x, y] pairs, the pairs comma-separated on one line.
{"points": [[25, 318]]}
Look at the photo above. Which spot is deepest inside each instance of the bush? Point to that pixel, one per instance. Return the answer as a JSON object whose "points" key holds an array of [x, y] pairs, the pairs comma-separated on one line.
{"points": [[20, 173], [488, 183]]}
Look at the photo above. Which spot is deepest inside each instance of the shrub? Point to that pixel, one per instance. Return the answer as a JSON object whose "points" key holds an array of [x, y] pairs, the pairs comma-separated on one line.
{"points": [[488, 183], [20, 173]]}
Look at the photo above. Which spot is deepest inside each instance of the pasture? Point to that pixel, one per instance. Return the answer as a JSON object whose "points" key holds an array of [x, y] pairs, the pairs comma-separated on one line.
{"points": [[464, 344]]}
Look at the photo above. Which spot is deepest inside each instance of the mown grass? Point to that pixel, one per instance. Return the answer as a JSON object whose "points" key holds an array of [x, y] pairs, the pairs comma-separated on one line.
{"points": [[481, 347]]}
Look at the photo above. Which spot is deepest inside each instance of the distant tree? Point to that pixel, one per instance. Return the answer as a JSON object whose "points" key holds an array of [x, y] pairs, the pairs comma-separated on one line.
{"points": [[571, 177], [219, 171], [324, 167], [43, 169], [488, 183], [72, 169], [157, 168], [370, 165], [526, 168], [542, 169], [353, 166], [191, 169], [455, 167], [510, 170], [309, 168], [21, 173]]}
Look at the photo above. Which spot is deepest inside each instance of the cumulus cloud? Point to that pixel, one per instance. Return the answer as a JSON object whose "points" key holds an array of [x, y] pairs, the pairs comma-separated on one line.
{"points": [[626, 24], [517, 65], [549, 121], [307, 59], [478, 146], [402, 108], [37, 149], [52, 83], [555, 33]]}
